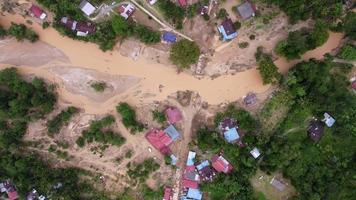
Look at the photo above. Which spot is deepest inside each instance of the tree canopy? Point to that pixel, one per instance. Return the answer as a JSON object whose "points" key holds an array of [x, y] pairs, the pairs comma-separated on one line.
{"points": [[184, 53], [268, 70]]}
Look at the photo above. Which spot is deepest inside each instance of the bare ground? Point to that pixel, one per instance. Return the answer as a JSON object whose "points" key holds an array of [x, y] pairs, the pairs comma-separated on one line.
{"points": [[26, 53]]}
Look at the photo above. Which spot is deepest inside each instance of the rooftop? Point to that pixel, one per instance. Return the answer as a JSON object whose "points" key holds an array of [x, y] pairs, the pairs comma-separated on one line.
{"points": [[173, 114], [246, 10], [329, 121], [159, 140], [190, 159], [38, 12], [87, 7], [167, 193], [195, 194], [126, 10], [227, 30], [277, 184], [231, 135], [220, 164], [169, 37], [315, 130], [172, 132], [255, 152]]}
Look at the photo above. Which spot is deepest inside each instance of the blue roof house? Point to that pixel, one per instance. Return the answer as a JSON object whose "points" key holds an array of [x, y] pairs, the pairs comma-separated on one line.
{"points": [[195, 194], [231, 135], [227, 30], [190, 159], [169, 37], [172, 132], [203, 164]]}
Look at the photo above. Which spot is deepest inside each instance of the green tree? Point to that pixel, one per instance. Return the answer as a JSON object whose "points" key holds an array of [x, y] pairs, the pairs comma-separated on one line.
{"points": [[3, 32], [268, 70], [184, 53], [350, 25], [121, 27], [348, 52], [222, 13]]}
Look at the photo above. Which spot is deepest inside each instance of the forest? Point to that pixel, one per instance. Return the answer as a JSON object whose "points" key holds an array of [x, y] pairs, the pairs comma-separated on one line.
{"points": [[22, 102]]}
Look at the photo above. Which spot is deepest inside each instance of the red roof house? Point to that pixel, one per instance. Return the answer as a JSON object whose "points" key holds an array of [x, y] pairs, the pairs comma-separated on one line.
{"points": [[167, 193], [220, 164], [159, 140], [189, 184], [10, 190], [353, 85], [182, 2], [173, 114], [37, 12]]}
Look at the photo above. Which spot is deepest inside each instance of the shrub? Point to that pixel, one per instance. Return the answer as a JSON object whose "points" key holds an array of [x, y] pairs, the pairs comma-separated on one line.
{"points": [[3, 32], [222, 13], [21, 32], [243, 45], [268, 70], [158, 116], [142, 171], [61, 119], [184, 53], [99, 86], [128, 115], [45, 25], [237, 25]]}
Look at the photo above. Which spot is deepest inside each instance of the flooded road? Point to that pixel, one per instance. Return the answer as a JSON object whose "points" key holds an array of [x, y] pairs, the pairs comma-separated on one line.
{"points": [[86, 55]]}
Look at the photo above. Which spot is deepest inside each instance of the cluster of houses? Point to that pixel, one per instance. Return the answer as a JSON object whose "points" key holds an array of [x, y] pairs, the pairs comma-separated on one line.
{"points": [[161, 139], [316, 128], [10, 190], [227, 29]]}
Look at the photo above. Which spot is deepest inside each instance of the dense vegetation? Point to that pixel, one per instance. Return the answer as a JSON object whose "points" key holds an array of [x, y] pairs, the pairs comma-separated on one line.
{"points": [[322, 170], [173, 12], [99, 132], [300, 41], [348, 52], [20, 32], [54, 125], [125, 28], [99, 86], [128, 115], [268, 70], [304, 9], [184, 53], [141, 171], [234, 185], [3, 32], [350, 25], [21, 102]]}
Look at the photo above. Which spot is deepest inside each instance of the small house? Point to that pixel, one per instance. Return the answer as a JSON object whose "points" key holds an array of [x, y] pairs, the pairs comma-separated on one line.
{"points": [[152, 2], [231, 135], [255, 152], [81, 28], [194, 194], [169, 37], [173, 115], [220, 164], [159, 140], [190, 184], [126, 10], [315, 130], [190, 159], [205, 171], [37, 12], [182, 3], [172, 132], [32, 195], [203, 10], [174, 159], [87, 8], [329, 121], [250, 99], [246, 10], [227, 30], [279, 185], [227, 124], [10, 190], [353, 85], [167, 193]]}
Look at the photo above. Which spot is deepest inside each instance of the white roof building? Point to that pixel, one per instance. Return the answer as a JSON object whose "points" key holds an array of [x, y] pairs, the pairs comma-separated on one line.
{"points": [[329, 121], [126, 10], [87, 7], [255, 152]]}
